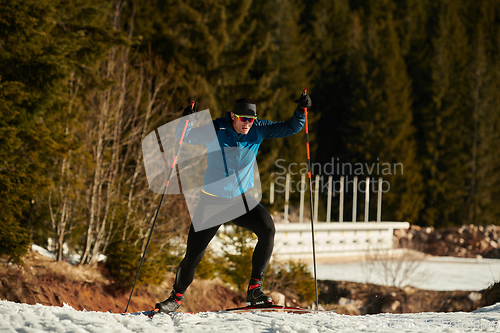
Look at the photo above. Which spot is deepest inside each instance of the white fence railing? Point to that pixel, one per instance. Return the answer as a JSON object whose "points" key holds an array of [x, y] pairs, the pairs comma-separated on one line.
{"points": [[302, 187], [334, 239], [293, 240]]}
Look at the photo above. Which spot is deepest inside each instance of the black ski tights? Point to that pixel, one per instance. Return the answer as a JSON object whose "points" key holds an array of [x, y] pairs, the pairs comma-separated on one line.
{"points": [[258, 221]]}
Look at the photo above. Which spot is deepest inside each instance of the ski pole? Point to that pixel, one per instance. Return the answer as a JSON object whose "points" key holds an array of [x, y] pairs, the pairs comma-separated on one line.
{"points": [[159, 205], [311, 205]]}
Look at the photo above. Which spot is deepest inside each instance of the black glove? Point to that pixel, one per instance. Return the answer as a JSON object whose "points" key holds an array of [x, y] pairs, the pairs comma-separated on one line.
{"points": [[303, 102], [189, 111]]}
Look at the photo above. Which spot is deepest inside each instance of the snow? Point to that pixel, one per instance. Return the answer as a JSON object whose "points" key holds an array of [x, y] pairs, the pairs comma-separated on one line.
{"points": [[42, 251], [73, 258], [433, 273], [440, 274], [16, 317]]}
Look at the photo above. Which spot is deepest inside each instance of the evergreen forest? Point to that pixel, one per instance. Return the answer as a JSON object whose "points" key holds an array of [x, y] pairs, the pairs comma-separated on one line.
{"points": [[414, 83]]}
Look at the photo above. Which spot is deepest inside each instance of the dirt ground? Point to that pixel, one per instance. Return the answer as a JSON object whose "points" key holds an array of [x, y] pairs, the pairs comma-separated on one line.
{"points": [[360, 298], [44, 281]]}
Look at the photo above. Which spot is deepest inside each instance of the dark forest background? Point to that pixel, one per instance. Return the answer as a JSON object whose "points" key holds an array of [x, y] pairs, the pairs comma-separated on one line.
{"points": [[82, 82]]}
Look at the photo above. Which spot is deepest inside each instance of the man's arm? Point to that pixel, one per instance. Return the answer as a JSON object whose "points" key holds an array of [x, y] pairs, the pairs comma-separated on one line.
{"points": [[270, 129]]}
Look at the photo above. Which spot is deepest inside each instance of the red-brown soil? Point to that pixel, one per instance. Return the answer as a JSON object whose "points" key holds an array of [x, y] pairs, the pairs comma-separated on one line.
{"points": [[43, 281]]}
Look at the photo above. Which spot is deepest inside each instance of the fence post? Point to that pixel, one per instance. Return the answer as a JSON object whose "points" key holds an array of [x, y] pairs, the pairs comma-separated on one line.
{"points": [[355, 199], [329, 202], [367, 198], [379, 200], [341, 200]]}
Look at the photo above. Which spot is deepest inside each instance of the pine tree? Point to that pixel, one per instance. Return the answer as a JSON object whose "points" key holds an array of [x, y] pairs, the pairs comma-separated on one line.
{"points": [[32, 70], [45, 43], [286, 62], [446, 121], [331, 30], [331, 23], [414, 19], [382, 129], [484, 67], [210, 42]]}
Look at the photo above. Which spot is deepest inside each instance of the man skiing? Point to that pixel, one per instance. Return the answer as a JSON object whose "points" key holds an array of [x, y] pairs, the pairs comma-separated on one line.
{"points": [[241, 130]]}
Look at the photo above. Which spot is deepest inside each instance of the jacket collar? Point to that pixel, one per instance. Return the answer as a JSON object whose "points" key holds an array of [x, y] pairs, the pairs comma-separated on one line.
{"points": [[229, 121]]}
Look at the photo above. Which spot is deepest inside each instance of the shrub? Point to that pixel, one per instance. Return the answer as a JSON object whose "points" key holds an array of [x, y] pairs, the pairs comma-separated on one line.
{"points": [[292, 277], [210, 266], [14, 240], [123, 260], [237, 267]]}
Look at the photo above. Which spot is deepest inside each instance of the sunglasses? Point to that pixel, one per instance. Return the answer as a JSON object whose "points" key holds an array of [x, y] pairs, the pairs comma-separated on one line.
{"points": [[249, 119]]}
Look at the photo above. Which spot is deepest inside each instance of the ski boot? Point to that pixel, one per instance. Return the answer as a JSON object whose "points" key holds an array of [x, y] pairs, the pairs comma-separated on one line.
{"points": [[171, 304], [255, 296]]}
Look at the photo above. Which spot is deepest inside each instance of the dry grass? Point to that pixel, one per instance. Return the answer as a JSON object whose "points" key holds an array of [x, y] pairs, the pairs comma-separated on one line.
{"points": [[36, 264]]}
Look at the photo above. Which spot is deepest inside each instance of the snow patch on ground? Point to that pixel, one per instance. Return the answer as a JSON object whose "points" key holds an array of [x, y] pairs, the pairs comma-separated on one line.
{"points": [[42, 251], [16, 317], [73, 258], [433, 273]]}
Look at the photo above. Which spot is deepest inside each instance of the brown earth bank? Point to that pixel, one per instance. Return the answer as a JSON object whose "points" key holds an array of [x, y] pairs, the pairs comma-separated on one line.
{"points": [[366, 298], [43, 281]]}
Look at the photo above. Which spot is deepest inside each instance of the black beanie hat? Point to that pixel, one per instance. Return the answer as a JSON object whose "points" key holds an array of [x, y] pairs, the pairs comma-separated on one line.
{"points": [[245, 107]]}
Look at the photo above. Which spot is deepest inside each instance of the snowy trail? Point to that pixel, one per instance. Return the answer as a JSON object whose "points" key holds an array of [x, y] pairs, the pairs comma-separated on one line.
{"points": [[433, 273], [16, 317]]}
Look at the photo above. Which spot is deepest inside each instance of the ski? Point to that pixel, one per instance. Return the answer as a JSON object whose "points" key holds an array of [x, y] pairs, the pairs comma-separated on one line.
{"points": [[154, 312], [149, 313], [269, 308], [275, 308]]}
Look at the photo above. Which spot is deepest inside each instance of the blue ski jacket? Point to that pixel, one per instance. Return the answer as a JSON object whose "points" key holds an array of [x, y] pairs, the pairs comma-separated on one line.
{"points": [[231, 156]]}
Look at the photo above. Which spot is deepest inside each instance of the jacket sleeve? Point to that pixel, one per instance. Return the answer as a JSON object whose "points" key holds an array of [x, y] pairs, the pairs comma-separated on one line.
{"points": [[202, 134], [270, 129]]}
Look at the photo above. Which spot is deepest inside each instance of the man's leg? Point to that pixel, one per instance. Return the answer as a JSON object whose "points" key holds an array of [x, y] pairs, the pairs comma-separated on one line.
{"points": [[258, 221], [196, 246]]}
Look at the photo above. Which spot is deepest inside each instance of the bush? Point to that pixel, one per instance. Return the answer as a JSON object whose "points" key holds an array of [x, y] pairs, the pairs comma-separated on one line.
{"points": [[14, 240], [210, 266], [237, 268], [123, 260], [235, 265], [292, 277]]}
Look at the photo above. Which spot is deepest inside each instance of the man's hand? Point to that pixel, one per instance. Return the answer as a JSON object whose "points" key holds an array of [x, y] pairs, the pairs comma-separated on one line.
{"points": [[303, 102], [189, 111]]}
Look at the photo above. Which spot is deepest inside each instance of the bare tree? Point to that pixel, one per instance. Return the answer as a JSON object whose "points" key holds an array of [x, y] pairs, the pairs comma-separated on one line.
{"points": [[112, 198], [399, 268], [62, 211]]}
